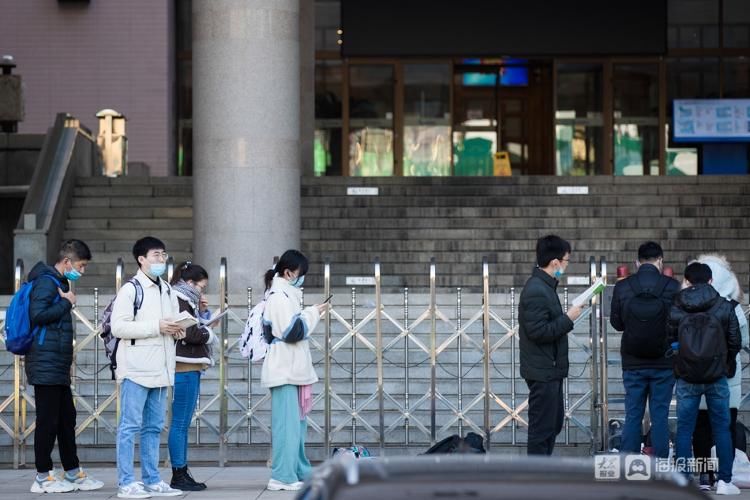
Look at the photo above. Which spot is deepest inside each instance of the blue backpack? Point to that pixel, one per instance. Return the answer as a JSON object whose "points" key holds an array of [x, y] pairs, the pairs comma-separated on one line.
{"points": [[19, 333]]}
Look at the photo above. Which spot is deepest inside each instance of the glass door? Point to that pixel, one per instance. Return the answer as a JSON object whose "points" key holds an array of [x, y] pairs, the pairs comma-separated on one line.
{"points": [[371, 122]]}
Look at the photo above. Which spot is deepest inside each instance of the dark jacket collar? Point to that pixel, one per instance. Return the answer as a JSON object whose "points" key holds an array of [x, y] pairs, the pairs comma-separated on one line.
{"points": [[648, 268], [549, 280]]}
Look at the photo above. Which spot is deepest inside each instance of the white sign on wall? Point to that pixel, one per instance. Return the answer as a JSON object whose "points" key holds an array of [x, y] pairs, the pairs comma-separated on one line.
{"points": [[362, 191], [572, 190], [360, 280]]}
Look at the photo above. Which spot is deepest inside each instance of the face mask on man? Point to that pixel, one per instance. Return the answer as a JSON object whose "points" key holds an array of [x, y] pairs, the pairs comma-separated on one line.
{"points": [[157, 269], [73, 274]]}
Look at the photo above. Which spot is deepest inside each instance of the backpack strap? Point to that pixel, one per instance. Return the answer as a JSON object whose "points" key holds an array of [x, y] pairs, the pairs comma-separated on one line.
{"points": [[138, 302]]}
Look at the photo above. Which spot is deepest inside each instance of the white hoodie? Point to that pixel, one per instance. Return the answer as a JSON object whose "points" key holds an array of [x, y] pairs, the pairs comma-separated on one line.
{"points": [[144, 355], [288, 363]]}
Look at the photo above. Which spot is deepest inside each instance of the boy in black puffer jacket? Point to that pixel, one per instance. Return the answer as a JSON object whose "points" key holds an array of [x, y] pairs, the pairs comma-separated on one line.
{"points": [[705, 334], [48, 365]]}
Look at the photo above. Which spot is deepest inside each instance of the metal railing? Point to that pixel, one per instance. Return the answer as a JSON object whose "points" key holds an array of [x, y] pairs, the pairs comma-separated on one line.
{"points": [[399, 370]]}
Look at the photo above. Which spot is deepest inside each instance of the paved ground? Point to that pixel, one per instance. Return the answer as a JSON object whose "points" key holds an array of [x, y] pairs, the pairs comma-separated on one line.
{"points": [[229, 483]]}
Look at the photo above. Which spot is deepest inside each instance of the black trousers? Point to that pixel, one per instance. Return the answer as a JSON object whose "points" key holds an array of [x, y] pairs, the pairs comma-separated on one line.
{"points": [[703, 440], [55, 419], [546, 415]]}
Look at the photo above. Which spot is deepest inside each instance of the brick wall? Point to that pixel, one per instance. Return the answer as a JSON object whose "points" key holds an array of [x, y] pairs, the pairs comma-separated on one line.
{"points": [[86, 56]]}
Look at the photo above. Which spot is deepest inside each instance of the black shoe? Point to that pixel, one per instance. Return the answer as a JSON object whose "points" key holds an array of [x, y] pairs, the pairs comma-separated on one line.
{"points": [[182, 480], [193, 481]]}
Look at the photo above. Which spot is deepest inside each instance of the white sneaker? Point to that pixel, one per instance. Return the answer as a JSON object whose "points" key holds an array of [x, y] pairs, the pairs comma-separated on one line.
{"points": [[82, 481], [51, 484], [723, 488], [133, 490], [162, 489], [275, 485]]}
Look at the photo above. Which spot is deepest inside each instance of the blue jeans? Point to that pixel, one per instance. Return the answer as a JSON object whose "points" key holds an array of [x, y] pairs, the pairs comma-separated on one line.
{"points": [[187, 386], [717, 400], [656, 385], [288, 436], [141, 411]]}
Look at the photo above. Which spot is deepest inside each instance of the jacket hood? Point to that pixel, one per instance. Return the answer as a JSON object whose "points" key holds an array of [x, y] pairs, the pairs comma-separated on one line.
{"points": [[697, 298], [41, 269]]}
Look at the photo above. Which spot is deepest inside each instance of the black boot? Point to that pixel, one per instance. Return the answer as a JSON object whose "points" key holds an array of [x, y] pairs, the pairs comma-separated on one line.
{"points": [[201, 486], [182, 480]]}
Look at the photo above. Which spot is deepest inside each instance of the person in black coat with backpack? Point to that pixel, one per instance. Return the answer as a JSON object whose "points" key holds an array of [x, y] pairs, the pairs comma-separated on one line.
{"points": [[48, 363], [640, 307], [705, 337], [543, 342]]}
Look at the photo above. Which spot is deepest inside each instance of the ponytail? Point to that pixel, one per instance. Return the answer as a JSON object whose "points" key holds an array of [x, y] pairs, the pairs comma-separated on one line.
{"points": [[291, 260], [189, 271]]}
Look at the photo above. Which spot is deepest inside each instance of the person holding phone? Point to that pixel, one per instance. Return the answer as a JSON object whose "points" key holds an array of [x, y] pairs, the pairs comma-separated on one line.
{"points": [[288, 368]]}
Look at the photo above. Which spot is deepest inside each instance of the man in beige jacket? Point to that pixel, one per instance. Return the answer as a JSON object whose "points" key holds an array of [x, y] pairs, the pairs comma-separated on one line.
{"points": [[142, 319]]}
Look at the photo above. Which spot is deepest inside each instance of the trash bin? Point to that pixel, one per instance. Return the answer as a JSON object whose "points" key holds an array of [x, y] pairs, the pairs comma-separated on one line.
{"points": [[113, 142]]}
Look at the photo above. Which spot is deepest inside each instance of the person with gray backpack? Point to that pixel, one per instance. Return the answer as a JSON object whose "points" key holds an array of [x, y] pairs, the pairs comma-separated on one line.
{"points": [[705, 339], [640, 307]]}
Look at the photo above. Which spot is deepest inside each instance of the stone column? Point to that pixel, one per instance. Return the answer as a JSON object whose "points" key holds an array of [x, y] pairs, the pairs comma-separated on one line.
{"points": [[246, 135]]}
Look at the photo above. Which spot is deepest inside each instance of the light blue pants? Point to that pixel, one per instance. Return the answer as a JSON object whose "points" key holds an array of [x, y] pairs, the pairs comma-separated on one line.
{"points": [[288, 436], [142, 411]]}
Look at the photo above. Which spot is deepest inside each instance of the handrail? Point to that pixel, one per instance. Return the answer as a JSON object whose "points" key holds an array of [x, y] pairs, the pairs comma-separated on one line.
{"points": [[68, 147]]}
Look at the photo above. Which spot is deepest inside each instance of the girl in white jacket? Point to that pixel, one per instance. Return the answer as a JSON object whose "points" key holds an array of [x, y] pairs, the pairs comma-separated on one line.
{"points": [[288, 369]]}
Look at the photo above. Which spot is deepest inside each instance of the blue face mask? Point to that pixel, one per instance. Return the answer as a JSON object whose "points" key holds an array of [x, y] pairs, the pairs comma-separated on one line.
{"points": [[559, 273], [157, 269], [73, 274], [297, 282]]}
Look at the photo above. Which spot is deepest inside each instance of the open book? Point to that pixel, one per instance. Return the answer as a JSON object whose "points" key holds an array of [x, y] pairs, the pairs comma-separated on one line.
{"points": [[215, 316], [595, 288], [185, 320]]}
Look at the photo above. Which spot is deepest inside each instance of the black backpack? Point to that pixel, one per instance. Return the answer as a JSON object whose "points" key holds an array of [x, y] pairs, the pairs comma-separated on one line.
{"points": [[105, 332], [702, 354], [645, 318], [472, 443]]}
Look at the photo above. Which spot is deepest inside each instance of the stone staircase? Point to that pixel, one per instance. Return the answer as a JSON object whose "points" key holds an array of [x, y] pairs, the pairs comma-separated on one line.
{"points": [[461, 220], [111, 214]]}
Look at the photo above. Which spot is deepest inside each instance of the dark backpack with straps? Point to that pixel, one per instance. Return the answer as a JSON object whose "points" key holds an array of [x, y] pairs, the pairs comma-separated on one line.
{"points": [[702, 354], [110, 341], [645, 318]]}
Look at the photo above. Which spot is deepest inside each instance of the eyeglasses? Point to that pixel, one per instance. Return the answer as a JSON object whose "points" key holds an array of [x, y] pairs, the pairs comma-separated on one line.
{"points": [[159, 255]]}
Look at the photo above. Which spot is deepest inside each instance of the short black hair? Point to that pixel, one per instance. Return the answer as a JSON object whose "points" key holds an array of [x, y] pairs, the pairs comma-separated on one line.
{"points": [[74, 250], [650, 250], [698, 273], [549, 248], [143, 246]]}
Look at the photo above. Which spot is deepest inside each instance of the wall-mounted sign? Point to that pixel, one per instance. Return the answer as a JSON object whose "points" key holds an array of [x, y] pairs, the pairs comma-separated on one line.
{"points": [[711, 120], [360, 281], [362, 191], [572, 190]]}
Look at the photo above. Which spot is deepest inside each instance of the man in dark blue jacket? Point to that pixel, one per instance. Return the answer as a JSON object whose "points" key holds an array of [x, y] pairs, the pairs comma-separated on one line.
{"points": [[543, 332], [646, 371], [48, 365]]}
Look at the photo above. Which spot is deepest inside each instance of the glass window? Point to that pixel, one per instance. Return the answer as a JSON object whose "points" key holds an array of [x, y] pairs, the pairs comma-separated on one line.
{"points": [[427, 129], [184, 77], [636, 119], [578, 119], [736, 78], [371, 120], [736, 23], [687, 79], [327, 24], [327, 145], [693, 24]]}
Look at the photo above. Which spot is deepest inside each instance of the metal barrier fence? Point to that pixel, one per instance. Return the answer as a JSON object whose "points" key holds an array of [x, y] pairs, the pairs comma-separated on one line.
{"points": [[397, 370]]}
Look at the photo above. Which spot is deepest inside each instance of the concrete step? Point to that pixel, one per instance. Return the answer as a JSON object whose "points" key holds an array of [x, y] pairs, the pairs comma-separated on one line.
{"points": [[128, 223], [132, 201], [130, 213]]}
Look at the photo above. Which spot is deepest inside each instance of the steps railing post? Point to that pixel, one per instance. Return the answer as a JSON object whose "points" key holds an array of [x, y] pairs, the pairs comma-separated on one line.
{"points": [[223, 360], [17, 374]]}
